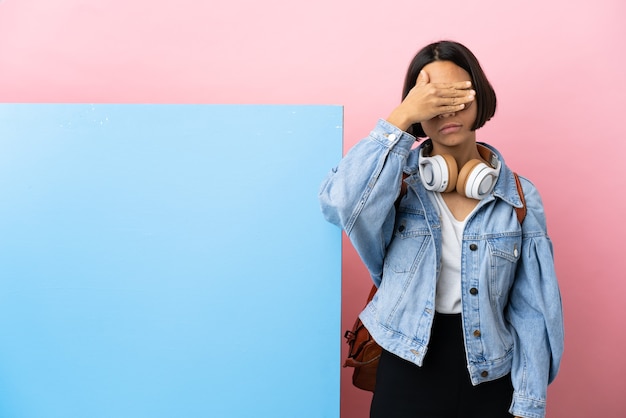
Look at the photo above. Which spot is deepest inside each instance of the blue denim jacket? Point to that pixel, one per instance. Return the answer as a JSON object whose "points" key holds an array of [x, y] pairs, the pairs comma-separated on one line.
{"points": [[511, 304]]}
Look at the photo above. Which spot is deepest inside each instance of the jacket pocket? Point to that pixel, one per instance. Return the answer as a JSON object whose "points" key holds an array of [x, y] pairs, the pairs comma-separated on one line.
{"points": [[411, 234], [504, 252]]}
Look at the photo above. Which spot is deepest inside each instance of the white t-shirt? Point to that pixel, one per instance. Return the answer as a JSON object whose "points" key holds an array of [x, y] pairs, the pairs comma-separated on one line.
{"points": [[448, 296]]}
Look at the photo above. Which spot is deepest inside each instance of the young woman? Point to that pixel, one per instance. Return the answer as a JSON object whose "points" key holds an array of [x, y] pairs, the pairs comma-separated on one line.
{"points": [[468, 309]]}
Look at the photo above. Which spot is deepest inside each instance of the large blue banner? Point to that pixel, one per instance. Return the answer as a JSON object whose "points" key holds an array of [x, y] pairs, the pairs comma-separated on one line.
{"points": [[167, 261]]}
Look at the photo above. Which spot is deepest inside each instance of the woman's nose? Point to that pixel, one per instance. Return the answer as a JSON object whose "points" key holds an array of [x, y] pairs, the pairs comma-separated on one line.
{"points": [[446, 115]]}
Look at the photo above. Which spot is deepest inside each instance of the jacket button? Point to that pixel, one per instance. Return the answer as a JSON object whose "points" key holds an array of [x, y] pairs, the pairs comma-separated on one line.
{"points": [[476, 333], [401, 228], [473, 291], [473, 247], [484, 373]]}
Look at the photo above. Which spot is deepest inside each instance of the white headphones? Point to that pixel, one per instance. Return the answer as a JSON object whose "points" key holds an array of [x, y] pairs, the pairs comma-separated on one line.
{"points": [[475, 180]]}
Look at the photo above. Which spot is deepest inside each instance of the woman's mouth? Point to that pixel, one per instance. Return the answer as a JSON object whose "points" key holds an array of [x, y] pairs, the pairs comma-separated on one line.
{"points": [[450, 128]]}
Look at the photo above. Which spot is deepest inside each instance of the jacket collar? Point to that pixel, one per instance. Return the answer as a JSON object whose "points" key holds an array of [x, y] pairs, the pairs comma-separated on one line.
{"points": [[506, 187]]}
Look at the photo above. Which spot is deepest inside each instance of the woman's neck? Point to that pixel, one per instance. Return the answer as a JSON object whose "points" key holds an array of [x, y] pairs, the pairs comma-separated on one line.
{"points": [[462, 153]]}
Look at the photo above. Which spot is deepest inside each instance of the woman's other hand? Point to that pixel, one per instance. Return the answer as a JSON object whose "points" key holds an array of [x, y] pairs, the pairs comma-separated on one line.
{"points": [[427, 100]]}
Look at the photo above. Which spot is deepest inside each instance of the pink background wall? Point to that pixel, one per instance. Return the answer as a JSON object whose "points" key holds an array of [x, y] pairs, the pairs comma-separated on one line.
{"points": [[557, 66]]}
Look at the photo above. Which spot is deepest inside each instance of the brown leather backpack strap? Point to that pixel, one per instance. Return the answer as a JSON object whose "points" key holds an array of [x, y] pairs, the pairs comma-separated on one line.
{"points": [[521, 212]]}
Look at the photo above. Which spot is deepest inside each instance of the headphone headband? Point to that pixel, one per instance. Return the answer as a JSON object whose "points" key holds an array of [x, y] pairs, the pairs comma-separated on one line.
{"points": [[485, 153], [489, 156]]}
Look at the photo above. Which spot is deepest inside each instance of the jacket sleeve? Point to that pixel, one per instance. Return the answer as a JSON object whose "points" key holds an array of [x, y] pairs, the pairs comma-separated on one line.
{"points": [[359, 194], [535, 314]]}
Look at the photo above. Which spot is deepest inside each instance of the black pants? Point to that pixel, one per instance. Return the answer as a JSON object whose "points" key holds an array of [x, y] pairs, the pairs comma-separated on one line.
{"points": [[441, 388]]}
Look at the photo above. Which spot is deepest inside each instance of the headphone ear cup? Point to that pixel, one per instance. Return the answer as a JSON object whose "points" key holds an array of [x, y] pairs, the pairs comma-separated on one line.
{"points": [[453, 172], [476, 179], [438, 173]]}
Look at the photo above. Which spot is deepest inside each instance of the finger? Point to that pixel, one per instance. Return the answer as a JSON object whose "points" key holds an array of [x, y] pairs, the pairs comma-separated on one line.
{"points": [[451, 109], [456, 99], [454, 88], [462, 85], [455, 93], [422, 78]]}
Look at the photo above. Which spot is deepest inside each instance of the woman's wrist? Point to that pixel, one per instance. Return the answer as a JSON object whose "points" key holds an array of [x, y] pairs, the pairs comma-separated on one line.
{"points": [[399, 120]]}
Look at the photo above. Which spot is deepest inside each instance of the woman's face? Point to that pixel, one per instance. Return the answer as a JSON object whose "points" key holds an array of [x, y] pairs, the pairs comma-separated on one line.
{"points": [[450, 129]]}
